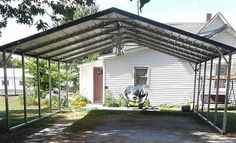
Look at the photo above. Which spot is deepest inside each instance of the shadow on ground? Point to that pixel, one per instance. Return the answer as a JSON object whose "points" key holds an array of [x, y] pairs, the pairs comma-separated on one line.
{"points": [[103, 126]]}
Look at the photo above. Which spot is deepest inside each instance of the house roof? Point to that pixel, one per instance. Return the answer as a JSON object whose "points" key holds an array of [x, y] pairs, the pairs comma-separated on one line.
{"points": [[192, 27], [108, 28], [217, 24]]}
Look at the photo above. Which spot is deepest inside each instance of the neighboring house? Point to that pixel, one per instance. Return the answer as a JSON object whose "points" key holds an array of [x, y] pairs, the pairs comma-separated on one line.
{"points": [[14, 82], [167, 78]]}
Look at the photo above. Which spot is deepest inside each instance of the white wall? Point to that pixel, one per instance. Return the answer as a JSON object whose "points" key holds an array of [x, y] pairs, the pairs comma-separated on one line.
{"points": [[10, 78], [86, 78], [171, 79]]}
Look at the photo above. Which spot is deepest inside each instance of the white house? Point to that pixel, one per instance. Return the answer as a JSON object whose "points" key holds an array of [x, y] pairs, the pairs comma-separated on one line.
{"points": [[14, 82], [167, 78]]}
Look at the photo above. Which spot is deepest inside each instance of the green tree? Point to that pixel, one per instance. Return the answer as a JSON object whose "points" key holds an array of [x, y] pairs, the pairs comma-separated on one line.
{"points": [[80, 12], [31, 80], [25, 11]]}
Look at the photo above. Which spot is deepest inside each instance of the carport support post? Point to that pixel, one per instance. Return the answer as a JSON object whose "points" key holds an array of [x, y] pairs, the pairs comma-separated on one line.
{"points": [[209, 95], [50, 84], [194, 86], [203, 87], [217, 91], [38, 80], [6, 90], [59, 86], [227, 94], [199, 85], [67, 100], [24, 91]]}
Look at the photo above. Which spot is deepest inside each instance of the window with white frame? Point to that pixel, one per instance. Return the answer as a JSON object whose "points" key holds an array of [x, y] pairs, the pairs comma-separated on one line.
{"points": [[223, 72], [141, 76], [4, 82]]}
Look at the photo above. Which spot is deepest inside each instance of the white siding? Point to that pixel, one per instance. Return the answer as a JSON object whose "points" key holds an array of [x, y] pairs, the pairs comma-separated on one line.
{"points": [[225, 37], [10, 77], [171, 79], [86, 78]]}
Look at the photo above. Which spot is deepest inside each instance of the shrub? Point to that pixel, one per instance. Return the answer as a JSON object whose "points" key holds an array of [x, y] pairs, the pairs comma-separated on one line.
{"points": [[110, 101], [121, 101], [30, 100], [146, 103], [81, 101], [55, 102]]}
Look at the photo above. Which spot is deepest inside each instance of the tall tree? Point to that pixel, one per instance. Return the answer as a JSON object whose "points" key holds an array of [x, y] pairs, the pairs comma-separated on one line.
{"points": [[25, 11]]}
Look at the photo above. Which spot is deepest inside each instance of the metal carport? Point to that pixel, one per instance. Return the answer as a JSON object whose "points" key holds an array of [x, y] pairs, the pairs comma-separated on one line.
{"points": [[112, 28]]}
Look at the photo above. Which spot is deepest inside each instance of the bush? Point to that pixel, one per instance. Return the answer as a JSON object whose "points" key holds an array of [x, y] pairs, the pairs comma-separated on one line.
{"points": [[55, 102], [146, 103], [81, 101], [110, 101], [30, 100]]}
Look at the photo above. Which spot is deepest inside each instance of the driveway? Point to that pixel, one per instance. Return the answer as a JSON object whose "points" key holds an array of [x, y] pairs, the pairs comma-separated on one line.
{"points": [[130, 127]]}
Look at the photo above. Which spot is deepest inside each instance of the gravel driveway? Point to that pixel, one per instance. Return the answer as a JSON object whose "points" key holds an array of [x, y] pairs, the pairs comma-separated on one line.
{"points": [[137, 128]]}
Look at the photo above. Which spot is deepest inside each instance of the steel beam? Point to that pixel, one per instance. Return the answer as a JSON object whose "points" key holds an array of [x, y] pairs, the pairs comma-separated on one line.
{"points": [[79, 48], [59, 85], [83, 39], [67, 36], [159, 48], [209, 94], [180, 39], [203, 86], [217, 91], [66, 55], [38, 81], [67, 99], [199, 85], [163, 40], [194, 86], [227, 94], [6, 91], [24, 90], [87, 53], [166, 48], [50, 84]]}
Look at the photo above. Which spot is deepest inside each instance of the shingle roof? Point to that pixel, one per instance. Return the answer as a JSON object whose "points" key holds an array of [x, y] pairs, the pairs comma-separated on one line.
{"points": [[189, 26]]}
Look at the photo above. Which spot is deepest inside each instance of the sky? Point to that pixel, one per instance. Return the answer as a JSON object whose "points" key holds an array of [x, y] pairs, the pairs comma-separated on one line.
{"points": [[164, 11]]}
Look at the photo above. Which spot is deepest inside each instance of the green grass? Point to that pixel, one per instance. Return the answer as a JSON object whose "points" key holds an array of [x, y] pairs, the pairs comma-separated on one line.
{"points": [[231, 120], [16, 111]]}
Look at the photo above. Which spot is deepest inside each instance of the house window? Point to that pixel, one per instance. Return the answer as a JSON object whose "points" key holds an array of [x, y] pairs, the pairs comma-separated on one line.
{"points": [[4, 82], [20, 82], [141, 76], [223, 73]]}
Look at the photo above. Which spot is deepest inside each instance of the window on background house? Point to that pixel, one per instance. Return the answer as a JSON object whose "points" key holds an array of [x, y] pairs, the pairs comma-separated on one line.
{"points": [[223, 73], [20, 82], [141, 76], [3, 82]]}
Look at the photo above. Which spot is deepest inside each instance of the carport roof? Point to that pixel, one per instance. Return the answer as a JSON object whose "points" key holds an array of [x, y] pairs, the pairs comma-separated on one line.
{"points": [[103, 30]]}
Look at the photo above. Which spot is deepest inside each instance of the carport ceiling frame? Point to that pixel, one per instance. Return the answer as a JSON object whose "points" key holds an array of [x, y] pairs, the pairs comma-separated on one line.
{"points": [[84, 36]]}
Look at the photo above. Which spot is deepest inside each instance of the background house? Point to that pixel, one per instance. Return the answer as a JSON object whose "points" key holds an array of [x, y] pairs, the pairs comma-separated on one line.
{"points": [[167, 78], [14, 82]]}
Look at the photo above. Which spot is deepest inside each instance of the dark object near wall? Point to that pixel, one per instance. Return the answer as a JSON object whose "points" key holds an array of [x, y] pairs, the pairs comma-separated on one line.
{"points": [[185, 108]]}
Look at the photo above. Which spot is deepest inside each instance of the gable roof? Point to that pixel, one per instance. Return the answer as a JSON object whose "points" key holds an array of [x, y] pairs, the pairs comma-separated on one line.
{"points": [[192, 27], [217, 24], [98, 32]]}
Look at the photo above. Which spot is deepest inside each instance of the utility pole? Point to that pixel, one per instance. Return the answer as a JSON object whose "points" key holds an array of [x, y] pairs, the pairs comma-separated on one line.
{"points": [[138, 3]]}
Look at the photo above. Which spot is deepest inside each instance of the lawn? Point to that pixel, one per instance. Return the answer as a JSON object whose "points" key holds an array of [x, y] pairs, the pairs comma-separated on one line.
{"points": [[16, 111]]}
